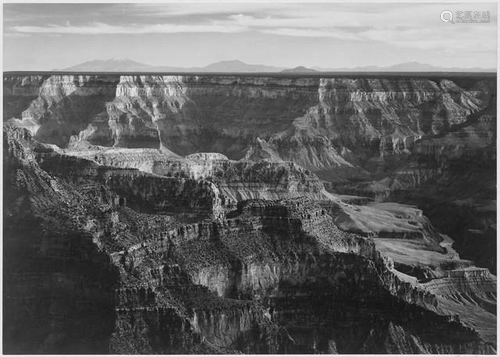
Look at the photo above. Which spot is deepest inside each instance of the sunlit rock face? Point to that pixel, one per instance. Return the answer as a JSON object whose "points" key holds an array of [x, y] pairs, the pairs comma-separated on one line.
{"points": [[339, 128], [228, 214], [266, 277], [64, 106], [320, 123]]}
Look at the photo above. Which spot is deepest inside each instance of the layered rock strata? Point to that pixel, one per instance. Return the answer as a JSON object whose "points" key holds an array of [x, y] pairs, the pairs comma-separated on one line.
{"points": [[268, 277], [317, 122], [132, 216]]}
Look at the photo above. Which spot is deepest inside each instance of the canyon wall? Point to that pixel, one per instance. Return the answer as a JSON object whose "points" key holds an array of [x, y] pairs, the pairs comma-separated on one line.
{"points": [[237, 180], [268, 277], [188, 214], [315, 122]]}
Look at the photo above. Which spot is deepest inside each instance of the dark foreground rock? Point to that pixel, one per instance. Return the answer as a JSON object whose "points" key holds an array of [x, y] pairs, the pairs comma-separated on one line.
{"points": [[387, 137], [97, 260]]}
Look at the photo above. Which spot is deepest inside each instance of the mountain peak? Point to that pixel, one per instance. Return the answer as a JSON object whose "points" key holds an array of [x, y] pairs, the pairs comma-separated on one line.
{"points": [[119, 59], [299, 69], [114, 64], [236, 65], [235, 61], [120, 64]]}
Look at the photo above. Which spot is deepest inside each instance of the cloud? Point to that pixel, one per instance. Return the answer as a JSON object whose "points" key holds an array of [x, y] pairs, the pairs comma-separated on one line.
{"points": [[98, 28], [209, 8], [449, 40], [342, 35], [461, 38], [415, 26], [304, 22], [16, 35]]}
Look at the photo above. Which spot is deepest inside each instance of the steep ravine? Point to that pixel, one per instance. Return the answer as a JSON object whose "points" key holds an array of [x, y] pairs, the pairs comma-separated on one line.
{"points": [[188, 214], [271, 277], [316, 122], [57, 285]]}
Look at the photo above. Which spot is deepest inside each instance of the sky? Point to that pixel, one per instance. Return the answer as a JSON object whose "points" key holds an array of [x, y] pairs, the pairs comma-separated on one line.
{"points": [[326, 35]]}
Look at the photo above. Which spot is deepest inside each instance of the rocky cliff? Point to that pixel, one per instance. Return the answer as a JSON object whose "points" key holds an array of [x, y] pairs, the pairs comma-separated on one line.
{"points": [[188, 214], [316, 122], [236, 180], [341, 127], [89, 273]]}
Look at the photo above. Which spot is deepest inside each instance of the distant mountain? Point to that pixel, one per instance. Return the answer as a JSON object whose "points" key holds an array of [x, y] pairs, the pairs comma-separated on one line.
{"points": [[238, 66], [406, 67], [127, 65], [110, 65], [300, 69], [415, 67]]}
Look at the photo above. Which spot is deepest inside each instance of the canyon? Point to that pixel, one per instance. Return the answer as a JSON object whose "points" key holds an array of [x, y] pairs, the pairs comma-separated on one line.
{"points": [[250, 213]]}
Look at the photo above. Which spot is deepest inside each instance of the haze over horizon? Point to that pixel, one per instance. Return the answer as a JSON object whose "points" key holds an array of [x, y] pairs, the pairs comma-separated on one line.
{"points": [[327, 35]]}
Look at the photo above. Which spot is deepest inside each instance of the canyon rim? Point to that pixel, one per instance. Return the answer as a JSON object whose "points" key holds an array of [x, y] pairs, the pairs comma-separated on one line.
{"points": [[327, 202]]}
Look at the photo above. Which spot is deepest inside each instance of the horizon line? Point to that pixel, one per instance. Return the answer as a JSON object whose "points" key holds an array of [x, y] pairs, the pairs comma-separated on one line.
{"points": [[289, 74]]}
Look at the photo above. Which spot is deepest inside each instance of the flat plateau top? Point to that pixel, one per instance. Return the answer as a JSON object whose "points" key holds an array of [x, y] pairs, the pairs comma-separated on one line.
{"points": [[274, 74]]}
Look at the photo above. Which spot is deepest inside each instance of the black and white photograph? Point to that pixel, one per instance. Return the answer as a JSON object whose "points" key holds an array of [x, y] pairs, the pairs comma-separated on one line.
{"points": [[267, 177]]}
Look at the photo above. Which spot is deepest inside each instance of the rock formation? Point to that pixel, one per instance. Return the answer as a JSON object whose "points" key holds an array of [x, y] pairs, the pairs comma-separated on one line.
{"points": [[228, 214]]}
